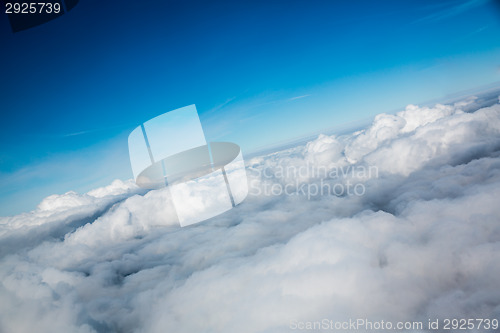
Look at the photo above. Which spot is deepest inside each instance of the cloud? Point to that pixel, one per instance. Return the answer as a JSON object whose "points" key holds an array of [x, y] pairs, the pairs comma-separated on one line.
{"points": [[452, 10], [422, 241], [58, 215], [298, 97]]}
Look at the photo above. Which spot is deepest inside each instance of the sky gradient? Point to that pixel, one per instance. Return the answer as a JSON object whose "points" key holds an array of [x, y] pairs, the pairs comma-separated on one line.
{"points": [[260, 73]]}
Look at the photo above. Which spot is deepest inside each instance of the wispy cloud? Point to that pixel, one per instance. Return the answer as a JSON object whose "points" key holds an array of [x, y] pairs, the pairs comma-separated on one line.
{"points": [[453, 9], [93, 130], [298, 97], [470, 34], [78, 133], [222, 105]]}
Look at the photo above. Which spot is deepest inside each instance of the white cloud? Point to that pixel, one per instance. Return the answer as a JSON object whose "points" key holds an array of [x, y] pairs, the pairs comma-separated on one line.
{"points": [[422, 242]]}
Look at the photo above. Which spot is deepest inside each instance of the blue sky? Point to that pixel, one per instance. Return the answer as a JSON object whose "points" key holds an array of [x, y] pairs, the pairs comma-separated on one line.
{"points": [[260, 73]]}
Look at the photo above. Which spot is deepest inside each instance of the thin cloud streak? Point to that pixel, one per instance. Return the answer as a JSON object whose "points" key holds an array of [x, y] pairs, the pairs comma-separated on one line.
{"points": [[298, 97], [451, 11]]}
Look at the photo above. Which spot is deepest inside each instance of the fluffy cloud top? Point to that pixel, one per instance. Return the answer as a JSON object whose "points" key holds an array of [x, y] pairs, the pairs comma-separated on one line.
{"points": [[422, 240]]}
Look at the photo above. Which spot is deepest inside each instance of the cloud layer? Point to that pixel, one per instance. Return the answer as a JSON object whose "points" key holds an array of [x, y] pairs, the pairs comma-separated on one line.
{"points": [[422, 241]]}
